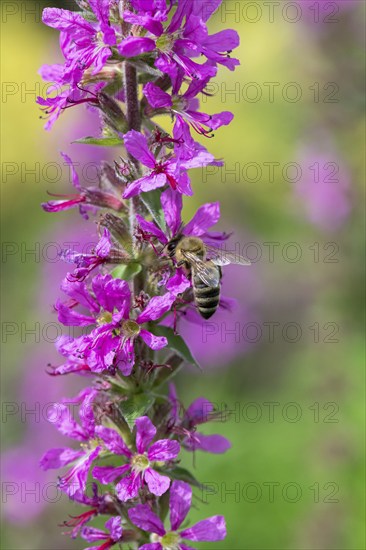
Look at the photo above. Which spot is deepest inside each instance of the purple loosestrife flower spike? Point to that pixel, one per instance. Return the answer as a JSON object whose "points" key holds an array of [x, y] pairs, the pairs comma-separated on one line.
{"points": [[130, 61]]}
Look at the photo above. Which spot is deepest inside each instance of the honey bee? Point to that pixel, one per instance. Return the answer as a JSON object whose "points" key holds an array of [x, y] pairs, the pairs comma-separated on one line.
{"points": [[203, 264]]}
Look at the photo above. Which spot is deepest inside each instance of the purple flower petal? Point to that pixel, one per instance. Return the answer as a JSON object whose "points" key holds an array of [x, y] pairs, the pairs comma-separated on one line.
{"points": [[52, 73], [158, 484], [125, 359], [172, 206], [223, 41], [151, 546], [113, 441], [134, 188], [199, 410], [114, 526], [157, 97], [145, 519], [146, 21], [178, 283], [150, 227], [195, 32], [216, 444], [135, 45], [57, 458], [200, 159], [91, 534], [112, 293], [164, 449], [206, 216], [65, 20], [79, 292], [154, 342], [180, 503], [221, 119], [183, 184], [181, 132], [129, 487], [104, 245], [157, 306], [101, 10], [144, 184], [136, 145], [74, 175], [75, 479], [71, 318], [145, 433], [60, 415], [57, 206], [209, 530], [108, 474]]}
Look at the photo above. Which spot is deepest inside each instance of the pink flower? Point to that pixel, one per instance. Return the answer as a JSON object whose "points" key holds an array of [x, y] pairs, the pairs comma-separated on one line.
{"points": [[112, 537], [209, 530], [166, 171], [199, 412], [140, 466], [75, 479], [87, 198], [111, 343]]}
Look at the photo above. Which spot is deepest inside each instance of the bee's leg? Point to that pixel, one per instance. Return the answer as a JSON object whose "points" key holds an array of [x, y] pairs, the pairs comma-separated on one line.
{"points": [[183, 263]]}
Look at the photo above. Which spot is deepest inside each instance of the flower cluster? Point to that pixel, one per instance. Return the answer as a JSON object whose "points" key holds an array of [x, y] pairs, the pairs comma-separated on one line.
{"points": [[133, 61]]}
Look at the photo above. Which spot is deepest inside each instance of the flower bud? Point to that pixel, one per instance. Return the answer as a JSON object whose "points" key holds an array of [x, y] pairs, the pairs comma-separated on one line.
{"points": [[113, 116], [118, 229]]}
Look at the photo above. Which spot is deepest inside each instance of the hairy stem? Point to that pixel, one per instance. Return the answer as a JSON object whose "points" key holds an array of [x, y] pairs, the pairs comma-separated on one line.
{"points": [[132, 101], [134, 123]]}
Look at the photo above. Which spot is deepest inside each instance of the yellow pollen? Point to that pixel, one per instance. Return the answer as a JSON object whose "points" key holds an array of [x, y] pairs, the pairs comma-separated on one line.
{"points": [[130, 328], [104, 318], [170, 541], [92, 444], [140, 463], [165, 42]]}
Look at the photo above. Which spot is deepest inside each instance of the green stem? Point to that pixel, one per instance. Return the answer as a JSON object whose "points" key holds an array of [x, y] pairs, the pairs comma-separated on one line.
{"points": [[132, 101], [134, 123]]}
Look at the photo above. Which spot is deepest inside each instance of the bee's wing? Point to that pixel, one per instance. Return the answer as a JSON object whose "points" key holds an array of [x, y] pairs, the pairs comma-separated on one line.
{"points": [[206, 272], [221, 257]]}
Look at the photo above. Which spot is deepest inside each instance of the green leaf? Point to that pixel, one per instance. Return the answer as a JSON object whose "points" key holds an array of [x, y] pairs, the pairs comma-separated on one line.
{"points": [[176, 343], [152, 202], [164, 505], [101, 141], [126, 271], [137, 405], [114, 86], [184, 475]]}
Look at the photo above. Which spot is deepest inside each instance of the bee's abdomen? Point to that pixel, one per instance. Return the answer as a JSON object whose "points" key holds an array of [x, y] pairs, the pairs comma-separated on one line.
{"points": [[207, 298]]}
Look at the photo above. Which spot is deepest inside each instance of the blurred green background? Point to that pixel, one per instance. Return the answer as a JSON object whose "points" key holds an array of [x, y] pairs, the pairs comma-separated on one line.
{"points": [[294, 478]]}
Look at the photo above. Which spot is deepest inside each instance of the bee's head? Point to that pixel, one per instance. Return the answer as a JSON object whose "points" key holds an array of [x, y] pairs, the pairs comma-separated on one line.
{"points": [[172, 245]]}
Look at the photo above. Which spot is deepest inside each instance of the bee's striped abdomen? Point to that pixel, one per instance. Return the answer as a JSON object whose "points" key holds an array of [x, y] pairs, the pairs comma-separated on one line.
{"points": [[207, 298]]}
